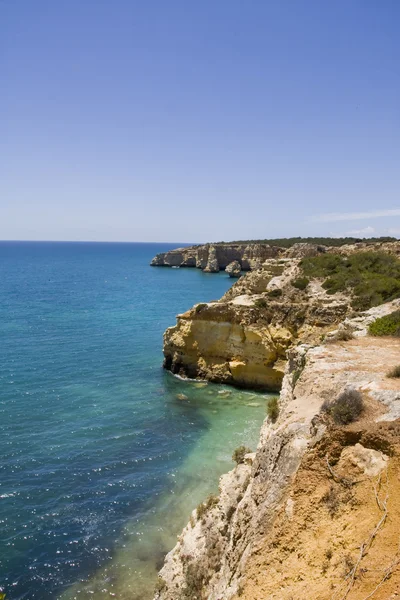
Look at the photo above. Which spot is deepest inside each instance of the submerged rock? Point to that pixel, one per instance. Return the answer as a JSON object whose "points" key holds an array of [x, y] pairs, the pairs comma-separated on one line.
{"points": [[182, 397]]}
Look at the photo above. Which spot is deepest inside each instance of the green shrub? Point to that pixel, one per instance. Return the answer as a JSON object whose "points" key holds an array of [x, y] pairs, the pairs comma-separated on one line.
{"points": [[199, 307], [395, 372], [300, 283], [346, 408], [388, 325], [372, 277], [239, 454], [204, 507], [273, 409], [275, 270], [326, 241], [276, 293], [260, 303]]}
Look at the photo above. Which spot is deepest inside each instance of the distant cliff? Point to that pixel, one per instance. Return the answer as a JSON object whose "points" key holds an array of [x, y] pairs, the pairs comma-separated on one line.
{"points": [[216, 257], [251, 255]]}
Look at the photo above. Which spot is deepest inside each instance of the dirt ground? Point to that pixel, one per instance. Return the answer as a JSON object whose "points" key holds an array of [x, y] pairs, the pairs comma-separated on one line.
{"points": [[337, 535]]}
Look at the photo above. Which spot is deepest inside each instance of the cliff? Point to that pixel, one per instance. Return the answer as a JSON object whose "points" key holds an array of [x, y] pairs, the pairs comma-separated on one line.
{"points": [[243, 338], [249, 256], [314, 513], [252, 255]]}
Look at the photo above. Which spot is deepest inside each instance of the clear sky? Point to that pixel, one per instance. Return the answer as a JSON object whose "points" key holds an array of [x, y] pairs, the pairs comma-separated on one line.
{"points": [[199, 120]]}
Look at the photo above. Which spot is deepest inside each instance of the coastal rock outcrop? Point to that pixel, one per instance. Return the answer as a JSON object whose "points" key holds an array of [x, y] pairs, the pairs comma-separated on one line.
{"points": [[234, 269], [207, 256], [243, 338], [212, 265], [314, 513]]}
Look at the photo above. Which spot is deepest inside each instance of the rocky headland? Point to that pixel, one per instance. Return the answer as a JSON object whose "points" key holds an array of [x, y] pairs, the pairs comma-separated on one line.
{"points": [[243, 338], [314, 512]]}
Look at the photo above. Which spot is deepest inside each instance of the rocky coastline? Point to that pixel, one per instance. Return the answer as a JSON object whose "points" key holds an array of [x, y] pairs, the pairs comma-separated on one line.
{"points": [[315, 507]]}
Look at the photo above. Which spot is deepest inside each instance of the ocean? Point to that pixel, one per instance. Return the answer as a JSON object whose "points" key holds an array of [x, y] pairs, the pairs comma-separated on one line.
{"points": [[101, 463]]}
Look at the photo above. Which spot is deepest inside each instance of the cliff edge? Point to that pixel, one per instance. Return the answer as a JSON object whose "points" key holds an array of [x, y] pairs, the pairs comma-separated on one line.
{"points": [[243, 338], [314, 512]]}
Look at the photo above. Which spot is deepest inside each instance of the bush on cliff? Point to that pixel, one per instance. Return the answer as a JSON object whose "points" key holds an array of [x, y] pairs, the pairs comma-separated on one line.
{"points": [[395, 372], [300, 283], [239, 454], [196, 577], [276, 293], [204, 507], [372, 277], [199, 307], [273, 409], [388, 325], [346, 408], [325, 241], [260, 303]]}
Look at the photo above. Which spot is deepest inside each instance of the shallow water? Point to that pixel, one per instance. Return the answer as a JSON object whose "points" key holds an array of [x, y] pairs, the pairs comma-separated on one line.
{"points": [[101, 463]]}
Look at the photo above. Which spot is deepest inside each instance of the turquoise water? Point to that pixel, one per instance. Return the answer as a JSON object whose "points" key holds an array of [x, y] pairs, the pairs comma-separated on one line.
{"points": [[101, 463]]}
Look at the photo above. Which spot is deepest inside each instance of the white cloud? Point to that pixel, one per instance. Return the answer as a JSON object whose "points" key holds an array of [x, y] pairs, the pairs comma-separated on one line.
{"points": [[329, 217], [366, 231]]}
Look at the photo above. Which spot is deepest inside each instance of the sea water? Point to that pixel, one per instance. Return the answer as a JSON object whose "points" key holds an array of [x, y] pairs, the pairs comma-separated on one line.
{"points": [[101, 463]]}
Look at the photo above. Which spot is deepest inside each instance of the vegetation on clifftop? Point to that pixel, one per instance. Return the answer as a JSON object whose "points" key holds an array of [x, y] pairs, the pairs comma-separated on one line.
{"points": [[388, 325], [372, 277], [322, 241]]}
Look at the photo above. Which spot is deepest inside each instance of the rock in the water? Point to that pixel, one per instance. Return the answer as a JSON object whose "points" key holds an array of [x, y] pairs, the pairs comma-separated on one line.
{"points": [[234, 269], [182, 397], [212, 263]]}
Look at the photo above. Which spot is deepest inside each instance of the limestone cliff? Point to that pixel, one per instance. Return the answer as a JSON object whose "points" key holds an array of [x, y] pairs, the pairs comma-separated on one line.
{"points": [[314, 513], [215, 257], [243, 338]]}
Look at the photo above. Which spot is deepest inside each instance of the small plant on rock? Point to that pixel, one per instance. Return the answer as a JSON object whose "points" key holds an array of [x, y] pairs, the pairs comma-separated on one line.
{"points": [[276, 293], [346, 408], [395, 372], [200, 307], [300, 283], [196, 579], [342, 335], [239, 454], [273, 409], [331, 499], [204, 507], [260, 303]]}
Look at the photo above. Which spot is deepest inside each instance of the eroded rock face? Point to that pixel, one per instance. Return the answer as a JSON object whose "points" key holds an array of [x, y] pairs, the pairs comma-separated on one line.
{"points": [[234, 269], [208, 255], [221, 344], [255, 256], [212, 265], [304, 250], [269, 534], [243, 339]]}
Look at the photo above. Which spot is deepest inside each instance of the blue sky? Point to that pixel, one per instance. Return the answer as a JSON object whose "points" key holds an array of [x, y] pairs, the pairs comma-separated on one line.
{"points": [[199, 121]]}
